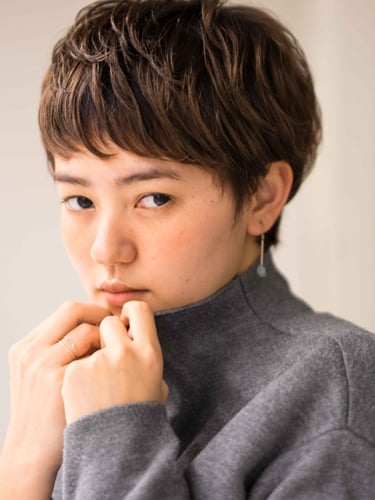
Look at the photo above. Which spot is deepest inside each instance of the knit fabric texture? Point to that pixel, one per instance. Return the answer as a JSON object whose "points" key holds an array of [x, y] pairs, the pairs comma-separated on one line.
{"points": [[268, 399]]}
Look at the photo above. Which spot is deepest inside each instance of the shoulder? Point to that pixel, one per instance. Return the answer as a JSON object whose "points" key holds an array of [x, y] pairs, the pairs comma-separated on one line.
{"points": [[274, 304], [324, 358], [357, 348], [337, 361]]}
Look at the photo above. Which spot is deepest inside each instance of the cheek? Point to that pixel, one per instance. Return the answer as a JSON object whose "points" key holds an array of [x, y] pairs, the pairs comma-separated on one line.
{"points": [[192, 245], [77, 244]]}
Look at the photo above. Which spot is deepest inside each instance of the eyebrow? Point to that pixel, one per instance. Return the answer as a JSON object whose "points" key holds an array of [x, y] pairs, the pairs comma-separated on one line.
{"points": [[153, 173]]}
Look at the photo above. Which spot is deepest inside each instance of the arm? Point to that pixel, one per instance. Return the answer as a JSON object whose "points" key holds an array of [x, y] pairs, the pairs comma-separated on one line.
{"points": [[338, 464], [24, 476], [127, 451]]}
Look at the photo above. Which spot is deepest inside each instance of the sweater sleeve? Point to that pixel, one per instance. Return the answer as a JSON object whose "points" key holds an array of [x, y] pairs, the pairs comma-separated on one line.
{"points": [[338, 464], [124, 452]]}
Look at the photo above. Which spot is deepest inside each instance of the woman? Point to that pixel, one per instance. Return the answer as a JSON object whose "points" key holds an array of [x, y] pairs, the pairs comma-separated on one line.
{"points": [[176, 131]]}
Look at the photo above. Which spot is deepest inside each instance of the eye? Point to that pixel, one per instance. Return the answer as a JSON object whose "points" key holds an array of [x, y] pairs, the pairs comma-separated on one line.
{"points": [[153, 200], [77, 203]]}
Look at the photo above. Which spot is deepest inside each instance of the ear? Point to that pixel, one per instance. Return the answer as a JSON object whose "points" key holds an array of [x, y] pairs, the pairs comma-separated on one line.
{"points": [[270, 197]]}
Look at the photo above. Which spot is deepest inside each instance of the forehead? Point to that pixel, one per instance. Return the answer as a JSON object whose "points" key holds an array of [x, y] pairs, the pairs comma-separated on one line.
{"points": [[124, 168]]}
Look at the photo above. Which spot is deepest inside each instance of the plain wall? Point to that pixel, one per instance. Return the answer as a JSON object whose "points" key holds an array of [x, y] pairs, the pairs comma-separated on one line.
{"points": [[328, 232]]}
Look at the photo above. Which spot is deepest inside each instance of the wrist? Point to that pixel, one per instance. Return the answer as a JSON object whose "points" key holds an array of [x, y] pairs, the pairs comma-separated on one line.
{"points": [[24, 475]]}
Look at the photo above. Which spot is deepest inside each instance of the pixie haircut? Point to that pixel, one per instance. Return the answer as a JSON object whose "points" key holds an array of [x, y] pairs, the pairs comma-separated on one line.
{"points": [[199, 82]]}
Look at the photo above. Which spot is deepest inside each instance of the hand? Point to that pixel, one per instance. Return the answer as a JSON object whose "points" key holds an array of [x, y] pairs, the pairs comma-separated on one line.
{"points": [[128, 368], [37, 366]]}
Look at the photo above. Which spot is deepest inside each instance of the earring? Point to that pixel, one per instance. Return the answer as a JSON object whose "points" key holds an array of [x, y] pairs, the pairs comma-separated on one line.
{"points": [[261, 269]]}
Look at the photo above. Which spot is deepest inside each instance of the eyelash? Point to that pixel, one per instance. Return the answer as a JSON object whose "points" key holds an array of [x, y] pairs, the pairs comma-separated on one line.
{"points": [[66, 201], [162, 197]]}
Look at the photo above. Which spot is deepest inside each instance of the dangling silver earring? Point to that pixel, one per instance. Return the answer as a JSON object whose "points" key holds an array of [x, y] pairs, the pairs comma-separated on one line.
{"points": [[261, 269]]}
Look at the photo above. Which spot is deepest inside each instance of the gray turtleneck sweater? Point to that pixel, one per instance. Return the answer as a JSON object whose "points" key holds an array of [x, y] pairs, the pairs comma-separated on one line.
{"points": [[267, 400]]}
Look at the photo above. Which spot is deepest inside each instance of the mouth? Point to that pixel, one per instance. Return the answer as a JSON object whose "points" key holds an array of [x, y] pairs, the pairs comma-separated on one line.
{"points": [[117, 294]]}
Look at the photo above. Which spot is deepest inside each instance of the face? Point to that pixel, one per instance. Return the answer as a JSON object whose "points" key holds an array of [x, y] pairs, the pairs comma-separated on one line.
{"points": [[147, 229]]}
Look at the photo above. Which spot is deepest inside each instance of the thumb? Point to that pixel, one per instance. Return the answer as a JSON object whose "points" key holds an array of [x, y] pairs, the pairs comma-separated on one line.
{"points": [[113, 332]]}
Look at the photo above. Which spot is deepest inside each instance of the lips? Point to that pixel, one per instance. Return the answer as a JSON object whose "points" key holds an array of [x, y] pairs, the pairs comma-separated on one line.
{"points": [[114, 287], [117, 294]]}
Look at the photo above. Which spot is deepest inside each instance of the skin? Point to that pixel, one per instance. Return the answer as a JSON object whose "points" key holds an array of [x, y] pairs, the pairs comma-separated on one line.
{"points": [[166, 234], [32, 451], [147, 242]]}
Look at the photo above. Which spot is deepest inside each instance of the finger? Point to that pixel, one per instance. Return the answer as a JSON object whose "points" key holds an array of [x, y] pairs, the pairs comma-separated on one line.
{"points": [[78, 343], [113, 332], [66, 318], [141, 321]]}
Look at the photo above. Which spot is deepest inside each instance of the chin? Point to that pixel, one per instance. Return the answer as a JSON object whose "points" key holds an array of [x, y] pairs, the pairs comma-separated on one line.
{"points": [[115, 310]]}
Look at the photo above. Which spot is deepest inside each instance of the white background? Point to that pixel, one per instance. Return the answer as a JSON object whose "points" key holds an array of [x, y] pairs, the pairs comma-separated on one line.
{"points": [[328, 235]]}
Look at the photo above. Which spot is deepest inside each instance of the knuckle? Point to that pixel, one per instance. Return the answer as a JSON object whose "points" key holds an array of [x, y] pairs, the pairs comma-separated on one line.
{"points": [[71, 370], [96, 359], [20, 354], [121, 356], [108, 321], [68, 304], [84, 329], [152, 358], [14, 352], [70, 307]]}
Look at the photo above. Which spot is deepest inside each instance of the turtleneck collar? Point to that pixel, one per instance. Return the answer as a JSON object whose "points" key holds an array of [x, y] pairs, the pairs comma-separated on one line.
{"points": [[180, 325], [206, 344]]}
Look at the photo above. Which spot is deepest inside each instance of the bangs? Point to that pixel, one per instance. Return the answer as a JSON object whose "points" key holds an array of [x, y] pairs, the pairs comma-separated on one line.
{"points": [[119, 82], [91, 110], [193, 81]]}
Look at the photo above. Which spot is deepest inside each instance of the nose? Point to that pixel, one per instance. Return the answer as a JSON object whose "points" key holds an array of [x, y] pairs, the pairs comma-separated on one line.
{"points": [[112, 243]]}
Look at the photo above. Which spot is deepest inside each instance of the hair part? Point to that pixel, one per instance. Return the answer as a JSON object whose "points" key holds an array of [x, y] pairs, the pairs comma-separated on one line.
{"points": [[195, 81]]}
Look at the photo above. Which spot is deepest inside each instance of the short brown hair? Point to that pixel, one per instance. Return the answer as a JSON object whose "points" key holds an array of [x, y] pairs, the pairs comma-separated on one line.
{"points": [[196, 81]]}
